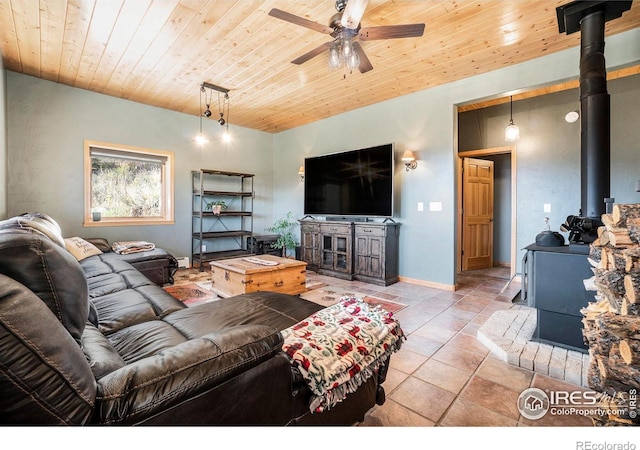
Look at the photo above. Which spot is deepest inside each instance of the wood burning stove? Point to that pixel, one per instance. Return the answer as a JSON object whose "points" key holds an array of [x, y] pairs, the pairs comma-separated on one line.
{"points": [[554, 275]]}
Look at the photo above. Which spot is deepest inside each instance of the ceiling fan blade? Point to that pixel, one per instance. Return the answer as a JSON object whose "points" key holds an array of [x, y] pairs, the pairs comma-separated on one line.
{"points": [[352, 13], [365, 64], [392, 32], [288, 17], [315, 52]]}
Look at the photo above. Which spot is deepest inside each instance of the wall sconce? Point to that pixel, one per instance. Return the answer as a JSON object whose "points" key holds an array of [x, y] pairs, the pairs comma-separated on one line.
{"points": [[409, 160], [512, 132], [301, 173]]}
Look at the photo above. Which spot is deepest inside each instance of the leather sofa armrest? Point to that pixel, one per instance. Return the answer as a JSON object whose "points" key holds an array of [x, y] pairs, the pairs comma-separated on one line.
{"points": [[153, 385]]}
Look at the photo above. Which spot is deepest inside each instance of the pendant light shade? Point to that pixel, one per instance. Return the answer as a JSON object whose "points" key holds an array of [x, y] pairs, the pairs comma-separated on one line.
{"points": [[512, 132]]}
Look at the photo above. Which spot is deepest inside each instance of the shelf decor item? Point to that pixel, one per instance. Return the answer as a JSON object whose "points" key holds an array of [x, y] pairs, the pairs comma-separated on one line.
{"points": [[217, 207]]}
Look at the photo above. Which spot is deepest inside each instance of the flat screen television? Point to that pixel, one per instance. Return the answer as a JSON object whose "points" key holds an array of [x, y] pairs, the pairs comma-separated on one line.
{"points": [[351, 183]]}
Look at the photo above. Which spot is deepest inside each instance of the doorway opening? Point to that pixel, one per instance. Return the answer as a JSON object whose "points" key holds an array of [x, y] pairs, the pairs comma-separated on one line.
{"points": [[487, 223]]}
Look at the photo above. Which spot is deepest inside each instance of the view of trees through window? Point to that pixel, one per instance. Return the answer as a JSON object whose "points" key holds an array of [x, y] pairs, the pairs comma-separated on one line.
{"points": [[122, 187]]}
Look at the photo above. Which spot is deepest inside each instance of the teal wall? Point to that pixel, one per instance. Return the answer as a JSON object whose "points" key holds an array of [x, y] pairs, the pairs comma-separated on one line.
{"points": [[48, 123], [548, 166], [425, 122]]}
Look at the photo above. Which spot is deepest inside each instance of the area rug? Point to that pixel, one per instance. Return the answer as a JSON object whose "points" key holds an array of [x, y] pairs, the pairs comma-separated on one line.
{"points": [[190, 294], [328, 296]]}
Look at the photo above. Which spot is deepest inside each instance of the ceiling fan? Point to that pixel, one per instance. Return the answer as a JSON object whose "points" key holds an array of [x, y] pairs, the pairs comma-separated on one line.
{"points": [[345, 49]]}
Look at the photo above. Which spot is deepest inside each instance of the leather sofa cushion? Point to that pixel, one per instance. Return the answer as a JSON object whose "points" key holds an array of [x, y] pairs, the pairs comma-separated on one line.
{"points": [[38, 223], [44, 376], [50, 272]]}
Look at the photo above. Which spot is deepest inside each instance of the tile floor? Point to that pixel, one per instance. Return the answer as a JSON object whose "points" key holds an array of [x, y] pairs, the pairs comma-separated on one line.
{"points": [[443, 375]]}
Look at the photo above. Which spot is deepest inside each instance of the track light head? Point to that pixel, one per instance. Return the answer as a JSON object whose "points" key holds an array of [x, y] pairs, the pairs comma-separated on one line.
{"points": [[221, 120], [207, 112]]}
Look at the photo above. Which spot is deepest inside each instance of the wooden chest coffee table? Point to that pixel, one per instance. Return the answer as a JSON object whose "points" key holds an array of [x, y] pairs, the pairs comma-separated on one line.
{"points": [[258, 273]]}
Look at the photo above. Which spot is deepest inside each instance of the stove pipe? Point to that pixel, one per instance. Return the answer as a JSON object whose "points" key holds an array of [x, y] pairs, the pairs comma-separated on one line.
{"points": [[595, 119]]}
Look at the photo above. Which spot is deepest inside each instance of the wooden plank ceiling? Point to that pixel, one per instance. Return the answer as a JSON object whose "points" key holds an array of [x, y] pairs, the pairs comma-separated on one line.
{"points": [[159, 52]]}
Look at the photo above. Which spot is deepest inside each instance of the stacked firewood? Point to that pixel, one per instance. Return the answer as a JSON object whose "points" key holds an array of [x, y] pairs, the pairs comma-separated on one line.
{"points": [[612, 323]]}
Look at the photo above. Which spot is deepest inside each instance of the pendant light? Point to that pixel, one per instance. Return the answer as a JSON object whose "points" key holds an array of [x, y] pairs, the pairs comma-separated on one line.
{"points": [[512, 132], [200, 138]]}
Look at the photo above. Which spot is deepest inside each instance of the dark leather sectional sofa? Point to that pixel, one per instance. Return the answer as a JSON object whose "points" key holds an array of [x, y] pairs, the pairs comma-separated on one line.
{"points": [[96, 342]]}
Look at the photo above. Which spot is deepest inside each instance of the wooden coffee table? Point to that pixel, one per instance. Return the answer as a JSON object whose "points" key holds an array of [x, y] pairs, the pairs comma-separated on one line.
{"points": [[258, 273]]}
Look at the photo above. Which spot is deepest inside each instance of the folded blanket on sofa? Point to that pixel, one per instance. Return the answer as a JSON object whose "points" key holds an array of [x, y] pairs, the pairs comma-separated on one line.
{"points": [[126, 247], [338, 348]]}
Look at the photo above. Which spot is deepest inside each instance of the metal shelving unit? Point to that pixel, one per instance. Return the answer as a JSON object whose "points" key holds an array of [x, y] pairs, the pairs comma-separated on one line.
{"points": [[223, 235]]}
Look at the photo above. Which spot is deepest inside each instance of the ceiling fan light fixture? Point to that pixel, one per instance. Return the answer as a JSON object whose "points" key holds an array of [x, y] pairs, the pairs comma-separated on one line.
{"points": [[353, 60], [347, 47], [334, 57]]}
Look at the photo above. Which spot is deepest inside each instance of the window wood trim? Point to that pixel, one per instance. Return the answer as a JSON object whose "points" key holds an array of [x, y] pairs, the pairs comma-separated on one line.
{"points": [[168, 194]]}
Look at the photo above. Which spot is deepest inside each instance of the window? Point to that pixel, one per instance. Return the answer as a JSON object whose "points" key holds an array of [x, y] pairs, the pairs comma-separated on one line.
{"points": [[127, 185]]}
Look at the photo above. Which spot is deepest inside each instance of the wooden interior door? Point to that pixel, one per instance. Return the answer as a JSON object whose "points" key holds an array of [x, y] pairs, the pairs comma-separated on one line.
{"points": [[477, 214]]}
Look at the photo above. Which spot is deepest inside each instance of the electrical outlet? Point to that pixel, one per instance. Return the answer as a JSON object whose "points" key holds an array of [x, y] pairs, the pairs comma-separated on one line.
{"points": [[420, 206], [547, 207], [203, 248]]}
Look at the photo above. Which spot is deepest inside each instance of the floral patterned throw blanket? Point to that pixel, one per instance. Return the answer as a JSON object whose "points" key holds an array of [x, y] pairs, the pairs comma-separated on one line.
{"points": [[338, 348]]}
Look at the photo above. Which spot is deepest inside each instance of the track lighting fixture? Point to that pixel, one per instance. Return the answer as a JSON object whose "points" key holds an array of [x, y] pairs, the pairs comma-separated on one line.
{"points": [[223, 102]]}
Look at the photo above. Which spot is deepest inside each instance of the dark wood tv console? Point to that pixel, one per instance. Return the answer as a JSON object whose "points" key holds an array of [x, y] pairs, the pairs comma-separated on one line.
{"points": [[364, 251]]}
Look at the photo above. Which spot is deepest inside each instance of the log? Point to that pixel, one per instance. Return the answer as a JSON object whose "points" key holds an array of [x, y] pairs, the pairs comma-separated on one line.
{"points": [[615, 258], [632, 287], [603, 236], [630, 351], [607, 221], [632, 259], [619, 327], [633, 225], [595, 252], [624, 211], [629, 309], [611, 284], [619, 372], [620, 238]]}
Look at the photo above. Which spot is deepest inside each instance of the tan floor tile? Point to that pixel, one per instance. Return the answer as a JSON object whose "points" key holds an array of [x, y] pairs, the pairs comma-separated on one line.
{"points": [[467, 343], [421, 345], [506, 374], [448, 323], [459, 358], [393, 380], [465, 413], [425, 399], [493, 396], [392, 414], [443, 375], [406, 361], [471, 329], [435, 333]]}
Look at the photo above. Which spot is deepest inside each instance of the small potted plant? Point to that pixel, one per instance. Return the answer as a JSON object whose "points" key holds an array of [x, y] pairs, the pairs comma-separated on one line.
{"points": [[216, 207], [284, 228]]}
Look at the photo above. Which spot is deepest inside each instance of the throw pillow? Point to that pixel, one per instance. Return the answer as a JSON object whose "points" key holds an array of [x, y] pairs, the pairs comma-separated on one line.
{"points": [[80, 248]]}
